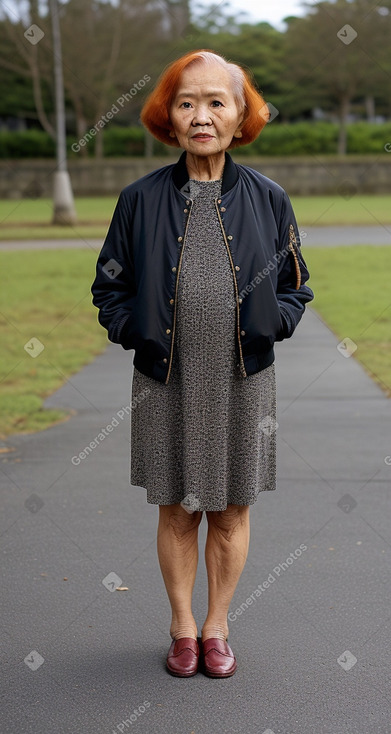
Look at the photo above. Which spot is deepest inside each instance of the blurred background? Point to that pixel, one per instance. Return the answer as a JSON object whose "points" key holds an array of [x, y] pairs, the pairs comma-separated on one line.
{"points": [[73, 78]]}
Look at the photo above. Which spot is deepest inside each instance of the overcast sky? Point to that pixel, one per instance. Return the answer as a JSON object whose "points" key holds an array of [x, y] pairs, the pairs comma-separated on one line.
{"points": [[272, 11]]}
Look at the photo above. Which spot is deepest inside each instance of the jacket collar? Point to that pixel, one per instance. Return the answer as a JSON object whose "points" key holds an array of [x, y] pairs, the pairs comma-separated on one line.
{"points": [[180, 173]]}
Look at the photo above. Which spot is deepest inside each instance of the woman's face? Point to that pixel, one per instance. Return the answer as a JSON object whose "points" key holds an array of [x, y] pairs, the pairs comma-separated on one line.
{"points": [[204, 114]]}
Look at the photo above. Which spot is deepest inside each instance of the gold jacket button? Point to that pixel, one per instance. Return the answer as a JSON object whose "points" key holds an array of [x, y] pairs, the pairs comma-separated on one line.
{"points": [[230, 237], [219, 201], [180, 238], [185, 210], [173, 269], [223, 209], [171, 301], [240, 300], [168, 331], [164, 359], [237, 267], [188, 202], [243, 333]]}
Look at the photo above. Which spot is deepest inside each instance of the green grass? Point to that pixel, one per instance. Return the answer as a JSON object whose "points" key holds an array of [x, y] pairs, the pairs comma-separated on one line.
{"points": [[361, 209], [31, 218], [46, 294], [352, 295]]}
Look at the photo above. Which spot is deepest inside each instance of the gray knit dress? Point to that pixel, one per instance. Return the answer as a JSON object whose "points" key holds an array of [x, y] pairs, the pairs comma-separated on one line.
{"points": [[207, 438]]}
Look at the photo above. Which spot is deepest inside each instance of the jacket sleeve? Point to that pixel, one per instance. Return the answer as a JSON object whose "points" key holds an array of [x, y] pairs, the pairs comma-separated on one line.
{"points": [[292, 293], [114, 288]]}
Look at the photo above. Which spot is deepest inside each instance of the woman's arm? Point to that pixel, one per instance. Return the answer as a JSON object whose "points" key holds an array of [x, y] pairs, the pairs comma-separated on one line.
{"points": [[292, 293], [114, 288]]}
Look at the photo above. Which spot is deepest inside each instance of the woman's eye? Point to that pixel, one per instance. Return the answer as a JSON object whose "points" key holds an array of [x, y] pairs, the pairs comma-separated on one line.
{"points": [[215, 100]]}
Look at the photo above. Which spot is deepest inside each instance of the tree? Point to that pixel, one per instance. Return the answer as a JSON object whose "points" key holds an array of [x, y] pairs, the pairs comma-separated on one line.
{"points": [[29, 60], [107, 49], [332, 56]]}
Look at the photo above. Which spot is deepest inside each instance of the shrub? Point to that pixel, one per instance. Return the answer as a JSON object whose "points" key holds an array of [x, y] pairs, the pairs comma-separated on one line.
{"points": [[276, 139], [26, 144]]}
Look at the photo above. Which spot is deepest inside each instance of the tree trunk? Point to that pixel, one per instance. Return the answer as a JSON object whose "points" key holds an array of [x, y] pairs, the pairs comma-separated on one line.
{"points": [[148, 144], [343, 114], [99, 145], [370, 108], [81, 127]]}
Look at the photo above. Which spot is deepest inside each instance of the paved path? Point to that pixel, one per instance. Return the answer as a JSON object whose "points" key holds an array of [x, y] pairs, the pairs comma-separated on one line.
{"points": [[311, 237], [322, 541]]}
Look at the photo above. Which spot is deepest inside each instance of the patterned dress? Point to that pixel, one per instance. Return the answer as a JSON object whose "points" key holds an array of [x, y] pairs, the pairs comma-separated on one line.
{"points": [[207, 438]]}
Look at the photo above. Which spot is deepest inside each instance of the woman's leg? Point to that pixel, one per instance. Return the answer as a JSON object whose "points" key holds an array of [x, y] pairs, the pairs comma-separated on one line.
{"points": [[226, 551], [177, 547]]}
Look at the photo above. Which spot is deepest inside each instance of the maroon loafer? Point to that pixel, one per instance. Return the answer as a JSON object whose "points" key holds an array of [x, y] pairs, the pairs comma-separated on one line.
{"points": [[182, 657], [218, 658]]}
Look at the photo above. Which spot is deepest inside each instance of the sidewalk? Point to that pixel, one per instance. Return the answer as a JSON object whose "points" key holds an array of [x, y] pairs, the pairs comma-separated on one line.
{"points": [[312, 237], [319, 553]]}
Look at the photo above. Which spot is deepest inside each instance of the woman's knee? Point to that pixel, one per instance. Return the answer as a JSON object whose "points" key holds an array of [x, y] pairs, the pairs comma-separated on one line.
{"points": [[228, 520], [178, 519]]}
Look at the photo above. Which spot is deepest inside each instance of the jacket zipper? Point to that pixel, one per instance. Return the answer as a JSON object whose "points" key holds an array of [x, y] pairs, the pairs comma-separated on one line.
{"points": [[176, 295], [242, 367], [293, 246]]}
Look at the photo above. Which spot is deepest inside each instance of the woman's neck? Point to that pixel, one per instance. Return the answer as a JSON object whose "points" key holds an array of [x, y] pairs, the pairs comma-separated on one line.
{"points": [[205, 168]]}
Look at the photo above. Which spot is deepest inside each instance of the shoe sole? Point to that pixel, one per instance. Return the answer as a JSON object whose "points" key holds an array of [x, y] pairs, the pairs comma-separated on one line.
{"points": [[180, 675], [219, 675]]}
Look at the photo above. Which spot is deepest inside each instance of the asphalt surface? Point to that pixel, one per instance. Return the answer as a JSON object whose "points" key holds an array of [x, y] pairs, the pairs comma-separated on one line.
{"points": [[312, 648], [311, 237]]}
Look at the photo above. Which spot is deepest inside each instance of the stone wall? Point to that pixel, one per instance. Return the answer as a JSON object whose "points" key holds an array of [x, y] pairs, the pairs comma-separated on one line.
{"points": [[310, 175]]}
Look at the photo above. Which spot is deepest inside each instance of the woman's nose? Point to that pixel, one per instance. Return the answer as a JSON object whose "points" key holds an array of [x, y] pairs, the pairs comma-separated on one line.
{"points": [[201, 117]]}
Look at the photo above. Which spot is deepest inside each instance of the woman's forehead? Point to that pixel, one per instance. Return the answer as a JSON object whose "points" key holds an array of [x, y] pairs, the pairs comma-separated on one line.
{"points": [[210, 80]]}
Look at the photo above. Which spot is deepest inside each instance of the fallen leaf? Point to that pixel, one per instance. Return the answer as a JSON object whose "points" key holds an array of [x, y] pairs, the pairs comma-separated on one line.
{"points": [[122, 588]]}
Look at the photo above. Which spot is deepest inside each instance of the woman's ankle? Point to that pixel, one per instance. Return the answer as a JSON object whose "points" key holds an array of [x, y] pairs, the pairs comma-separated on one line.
{"points": [[183, 629], [217, 630]]}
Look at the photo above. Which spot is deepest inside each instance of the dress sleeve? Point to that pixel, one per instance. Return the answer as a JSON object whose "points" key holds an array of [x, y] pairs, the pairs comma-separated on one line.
{"points": [[114, 288], [292, 291]]}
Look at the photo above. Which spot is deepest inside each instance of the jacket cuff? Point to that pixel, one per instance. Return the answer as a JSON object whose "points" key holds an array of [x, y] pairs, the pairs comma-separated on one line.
{"points": [[286, 330], [119, 333]]}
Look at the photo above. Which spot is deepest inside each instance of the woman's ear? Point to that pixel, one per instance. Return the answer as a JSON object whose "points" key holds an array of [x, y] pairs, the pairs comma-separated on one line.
{"points": [[238, 133]]}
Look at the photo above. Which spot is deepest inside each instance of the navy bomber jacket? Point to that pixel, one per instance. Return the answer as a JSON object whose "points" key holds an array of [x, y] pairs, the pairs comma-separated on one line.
{"points": [[137, 272]]}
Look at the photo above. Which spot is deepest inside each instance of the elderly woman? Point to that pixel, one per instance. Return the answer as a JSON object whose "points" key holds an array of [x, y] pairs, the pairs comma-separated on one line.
{"points": [[200, 273]]}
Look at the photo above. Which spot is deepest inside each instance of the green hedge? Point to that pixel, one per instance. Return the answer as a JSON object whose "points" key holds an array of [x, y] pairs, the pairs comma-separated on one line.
{"points": [[302, 138], [321, 138], [29, 144]]}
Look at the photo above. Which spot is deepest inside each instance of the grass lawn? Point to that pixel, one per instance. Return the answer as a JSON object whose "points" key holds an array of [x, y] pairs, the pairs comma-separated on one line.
{"points": [[30, 218], [352, 295], [46, 295]]}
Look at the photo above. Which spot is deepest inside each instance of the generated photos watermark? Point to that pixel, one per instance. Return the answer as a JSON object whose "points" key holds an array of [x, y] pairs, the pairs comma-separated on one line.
{"points": [[125, 724], [115, 108], [272, 577], [104, 432]]}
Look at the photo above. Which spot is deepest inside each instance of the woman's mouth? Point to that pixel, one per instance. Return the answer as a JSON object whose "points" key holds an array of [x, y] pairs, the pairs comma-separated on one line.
{"points": [[202, 137]]}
